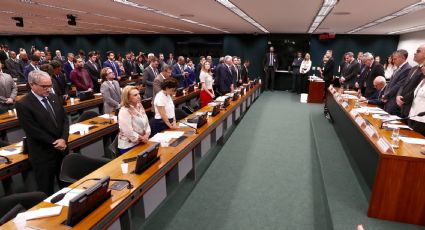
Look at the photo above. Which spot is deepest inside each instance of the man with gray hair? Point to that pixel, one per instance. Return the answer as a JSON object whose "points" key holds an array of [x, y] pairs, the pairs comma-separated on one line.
{"points": [[374, 69], [224, 76], [376, 99], [46, 126], [397, 80]]}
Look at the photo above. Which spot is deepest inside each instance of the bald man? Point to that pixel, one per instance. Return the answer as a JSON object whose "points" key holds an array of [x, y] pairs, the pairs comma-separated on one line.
{"points": [[379, 83]]}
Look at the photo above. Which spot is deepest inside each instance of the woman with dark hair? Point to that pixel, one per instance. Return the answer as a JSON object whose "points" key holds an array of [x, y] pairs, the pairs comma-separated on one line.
{"points": [[389, 67], [164, 107]]}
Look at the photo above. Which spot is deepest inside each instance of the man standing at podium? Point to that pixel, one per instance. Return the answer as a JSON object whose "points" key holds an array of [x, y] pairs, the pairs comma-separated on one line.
{"points": [[270, 67], [46, 127]]}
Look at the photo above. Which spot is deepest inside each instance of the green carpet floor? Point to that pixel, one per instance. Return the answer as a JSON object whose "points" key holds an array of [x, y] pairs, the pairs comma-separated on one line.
{"points": [[267, 176]]}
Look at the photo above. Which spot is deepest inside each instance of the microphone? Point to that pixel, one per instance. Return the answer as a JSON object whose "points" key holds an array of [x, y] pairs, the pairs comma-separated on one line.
{"points": [[7, 160], [60, 196], [421, 114], [196, 130]]}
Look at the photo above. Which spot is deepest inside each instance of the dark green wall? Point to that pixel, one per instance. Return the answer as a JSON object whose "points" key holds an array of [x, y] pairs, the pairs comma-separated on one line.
{"points": [[378, 45], [246, 46]]}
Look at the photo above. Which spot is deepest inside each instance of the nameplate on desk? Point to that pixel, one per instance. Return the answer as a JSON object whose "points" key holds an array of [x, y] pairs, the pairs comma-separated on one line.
{"points": [[370, 131], [360, 121], [385, 146], [354, 113], [345, 104]]}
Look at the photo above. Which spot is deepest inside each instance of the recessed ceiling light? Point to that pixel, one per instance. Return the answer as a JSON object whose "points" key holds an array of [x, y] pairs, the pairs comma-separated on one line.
{"points": [[326, 7], [187, 15], [341, 13]]}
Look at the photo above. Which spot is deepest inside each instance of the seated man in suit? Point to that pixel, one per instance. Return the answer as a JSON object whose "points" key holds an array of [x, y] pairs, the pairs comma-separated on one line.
{"points": [[46, 126], [8, 91], [81, 78], [178, 72], [376, 99]]}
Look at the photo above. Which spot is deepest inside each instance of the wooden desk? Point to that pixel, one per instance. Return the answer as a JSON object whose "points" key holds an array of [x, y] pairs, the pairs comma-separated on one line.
{"points": [[316, 91], [396, 180], [121, 201]]}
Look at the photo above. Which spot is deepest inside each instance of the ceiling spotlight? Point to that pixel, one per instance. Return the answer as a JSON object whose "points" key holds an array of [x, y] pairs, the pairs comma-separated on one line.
{"points": [[19, 21], [71, 19]]}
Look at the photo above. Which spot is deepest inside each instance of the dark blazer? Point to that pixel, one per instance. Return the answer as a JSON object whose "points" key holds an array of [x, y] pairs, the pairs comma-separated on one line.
{"points": [[148, 78], [114, 66], [225, 79], [171, 62], [59, 85], [244, 74], [94, 72], [27, 70], [376, 98], [234, 74], [328, 70], [67, 68], [266, 60], [397, 80], [14, 68], [350, 73], [375, 70], [178, 75], [407, 90], [40, 129], [129, 66]]}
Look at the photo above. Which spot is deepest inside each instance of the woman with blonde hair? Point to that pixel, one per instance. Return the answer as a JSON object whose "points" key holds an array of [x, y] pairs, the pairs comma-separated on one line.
{"points": [[133, 121], [205, 77]]}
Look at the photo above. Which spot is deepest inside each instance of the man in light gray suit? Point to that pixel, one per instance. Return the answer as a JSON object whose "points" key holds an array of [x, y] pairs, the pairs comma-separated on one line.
{"points": [[110, 90], [397, 80], [8, 91], [165, 73], [149, 76]]}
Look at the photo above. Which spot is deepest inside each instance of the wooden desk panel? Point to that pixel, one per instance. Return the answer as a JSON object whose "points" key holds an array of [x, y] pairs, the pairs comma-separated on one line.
{"points": [[121, 201], [398, 185]]}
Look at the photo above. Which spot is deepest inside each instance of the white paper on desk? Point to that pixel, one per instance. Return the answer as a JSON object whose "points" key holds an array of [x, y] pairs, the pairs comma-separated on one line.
{"points": [[67, 198], [10, 151], [174, 134], [221, 98], [107, 116], [392, 126], [411, 140], [78, 127], [40, 213], [348, 96], [166, 136], [385, 117], [19, 144], [377, 112]]}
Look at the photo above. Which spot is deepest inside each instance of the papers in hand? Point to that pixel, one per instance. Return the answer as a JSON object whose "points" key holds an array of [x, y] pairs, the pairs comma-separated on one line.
{"points": [[67, 198], [39, 213], [166, 136], [411, 140]]}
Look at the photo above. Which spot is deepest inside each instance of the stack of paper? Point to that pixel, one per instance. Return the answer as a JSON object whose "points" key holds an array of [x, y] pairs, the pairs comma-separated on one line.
{"points": [[107, 116], [39, 213], [411, 140], [79, 128], [166, 136], [221, 98]]}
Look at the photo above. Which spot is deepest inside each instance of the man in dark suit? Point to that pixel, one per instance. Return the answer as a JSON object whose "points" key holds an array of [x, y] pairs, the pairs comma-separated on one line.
{"points": [[397, 80], [405, 94], [59, 86], [59, 57], [224, 75], [171, 61], [94, 71], [234, 69], [245, 71], [112, 64], [178, 71], [375, 69], [3, 54], [68, 66], [149, 76], [328, 69], [35, 59], [270, 63], [46, 127], [129, 65], [349, 76], [376, 98], [296, 64], [13, 66]]}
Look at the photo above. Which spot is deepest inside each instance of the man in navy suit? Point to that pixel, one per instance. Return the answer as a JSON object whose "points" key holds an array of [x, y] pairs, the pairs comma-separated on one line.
{"points": [[178, 72], [94, 70], [46, 126], [224, 76], [68, 66], [380, 85], [112, 64], [35, 59], [397, 80]]}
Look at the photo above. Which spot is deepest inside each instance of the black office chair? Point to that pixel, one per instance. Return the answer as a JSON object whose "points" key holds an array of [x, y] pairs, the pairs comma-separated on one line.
{"points": [[12, 205], [180, 114], [113, 148], [76, 166], [87, 115]]}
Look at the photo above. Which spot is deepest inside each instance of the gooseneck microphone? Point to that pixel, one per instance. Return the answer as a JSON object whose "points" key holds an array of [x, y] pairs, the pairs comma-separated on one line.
{"points": [[421, 114], [7, 160], [60, 196]]}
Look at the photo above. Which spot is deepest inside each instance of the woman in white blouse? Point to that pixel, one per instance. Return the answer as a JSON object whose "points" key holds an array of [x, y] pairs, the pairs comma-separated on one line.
{"points": [[164, 107], [205, 77], [133, 121], [389, 67], [304, 69]]}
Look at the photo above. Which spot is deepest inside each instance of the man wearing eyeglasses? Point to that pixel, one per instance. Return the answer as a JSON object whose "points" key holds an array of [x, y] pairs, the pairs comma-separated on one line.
{"points": [[46, 126]]}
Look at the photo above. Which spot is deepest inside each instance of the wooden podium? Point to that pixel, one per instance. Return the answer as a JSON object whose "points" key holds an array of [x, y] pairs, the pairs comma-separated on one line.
{"points": [[316, 91]]}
